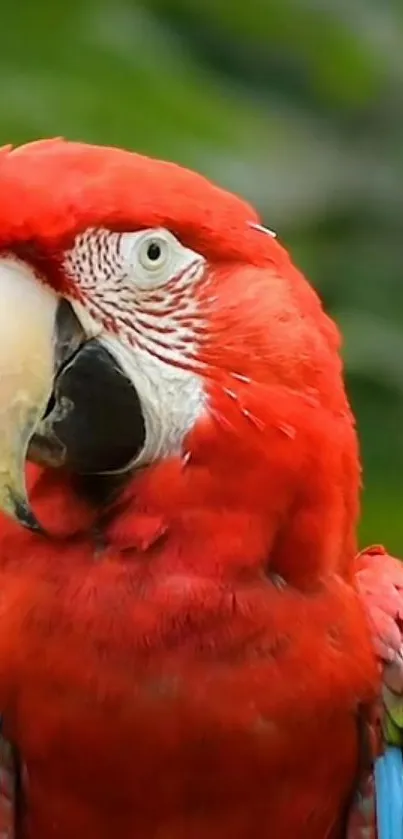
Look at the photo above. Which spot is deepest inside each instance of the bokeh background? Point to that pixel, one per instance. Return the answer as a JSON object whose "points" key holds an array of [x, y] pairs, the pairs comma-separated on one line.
{"points": [[296, 104]]}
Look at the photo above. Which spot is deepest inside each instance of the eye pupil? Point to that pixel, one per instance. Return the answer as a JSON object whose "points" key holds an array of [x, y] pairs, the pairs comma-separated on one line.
{"points": [[153, 251]]}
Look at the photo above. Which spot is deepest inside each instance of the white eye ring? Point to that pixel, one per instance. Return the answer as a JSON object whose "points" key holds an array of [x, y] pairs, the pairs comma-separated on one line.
{"points": [[153, 253]]}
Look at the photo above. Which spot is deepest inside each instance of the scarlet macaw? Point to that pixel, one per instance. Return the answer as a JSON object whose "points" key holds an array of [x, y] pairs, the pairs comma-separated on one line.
{"points": [[183, 648]]}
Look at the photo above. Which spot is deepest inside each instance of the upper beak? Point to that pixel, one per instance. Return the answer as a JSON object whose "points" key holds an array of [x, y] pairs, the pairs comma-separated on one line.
{"points": [[27, 327], [64, 399]]}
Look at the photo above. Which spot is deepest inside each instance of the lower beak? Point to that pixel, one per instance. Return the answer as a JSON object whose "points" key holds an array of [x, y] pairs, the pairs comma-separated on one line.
{"points": [[64, 400]]}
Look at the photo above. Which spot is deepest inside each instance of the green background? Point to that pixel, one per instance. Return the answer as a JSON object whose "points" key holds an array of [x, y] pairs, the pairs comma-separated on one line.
{"points": [[295, 104]]}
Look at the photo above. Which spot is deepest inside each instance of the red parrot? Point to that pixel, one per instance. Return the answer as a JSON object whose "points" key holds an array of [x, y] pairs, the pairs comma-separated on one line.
{"points": [[184, 651]]}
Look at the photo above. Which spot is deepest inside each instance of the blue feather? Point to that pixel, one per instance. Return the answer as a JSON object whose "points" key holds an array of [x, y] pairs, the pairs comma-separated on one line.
{"points": [[389, 794]]}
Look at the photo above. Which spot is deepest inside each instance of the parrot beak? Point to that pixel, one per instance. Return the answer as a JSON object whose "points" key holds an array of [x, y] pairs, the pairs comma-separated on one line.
{"points": [[64, 399], [27, 322]]}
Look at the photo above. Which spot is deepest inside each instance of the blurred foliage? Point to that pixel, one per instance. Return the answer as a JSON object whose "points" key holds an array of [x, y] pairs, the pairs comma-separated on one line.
{"points": [[295, 104]]}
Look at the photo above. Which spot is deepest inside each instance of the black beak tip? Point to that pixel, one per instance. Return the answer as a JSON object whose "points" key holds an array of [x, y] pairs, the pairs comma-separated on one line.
{"points": [[25, 516]]}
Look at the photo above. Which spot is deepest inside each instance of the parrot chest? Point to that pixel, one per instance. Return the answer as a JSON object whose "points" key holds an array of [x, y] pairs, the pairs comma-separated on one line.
{"points": [[178, 709]]}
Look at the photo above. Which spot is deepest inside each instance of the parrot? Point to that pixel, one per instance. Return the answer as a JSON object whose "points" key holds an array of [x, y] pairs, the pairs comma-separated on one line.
{"points": [[189, 644]]}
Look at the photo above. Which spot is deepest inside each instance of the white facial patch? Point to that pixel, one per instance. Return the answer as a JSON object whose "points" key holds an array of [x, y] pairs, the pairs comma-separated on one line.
{"points": [[138, 295]]}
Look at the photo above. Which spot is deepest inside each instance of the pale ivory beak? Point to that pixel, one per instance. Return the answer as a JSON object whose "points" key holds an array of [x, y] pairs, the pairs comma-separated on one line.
{"points": [[27, 336]]}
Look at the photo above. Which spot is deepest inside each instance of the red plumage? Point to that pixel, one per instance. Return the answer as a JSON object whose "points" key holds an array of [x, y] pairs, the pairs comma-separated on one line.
{"points": [[194, 660]]}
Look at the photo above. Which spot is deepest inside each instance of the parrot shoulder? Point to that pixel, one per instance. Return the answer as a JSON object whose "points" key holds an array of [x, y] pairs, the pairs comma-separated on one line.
{"points": [[380, 583]]}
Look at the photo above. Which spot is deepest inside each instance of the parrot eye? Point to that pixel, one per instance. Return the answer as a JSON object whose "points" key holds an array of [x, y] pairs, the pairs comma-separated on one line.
{"points": [[138, 297], [153, 253]]}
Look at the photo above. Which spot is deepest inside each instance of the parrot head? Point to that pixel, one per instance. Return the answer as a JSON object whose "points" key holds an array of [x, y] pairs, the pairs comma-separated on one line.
{"points": [[152, 331]]}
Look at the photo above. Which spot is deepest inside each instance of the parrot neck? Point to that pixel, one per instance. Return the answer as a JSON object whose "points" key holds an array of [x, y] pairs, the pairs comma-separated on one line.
{"points": [[209, 514], [185, 518], [172, 509]]}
